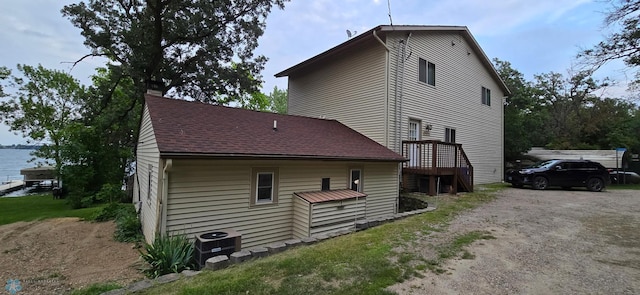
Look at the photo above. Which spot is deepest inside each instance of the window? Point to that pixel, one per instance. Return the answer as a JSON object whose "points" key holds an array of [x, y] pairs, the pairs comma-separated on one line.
{"points": [[486, 96], [326, 184], [149, 175], [449, 135], [426, 72], [264, 186], [355, 179]]}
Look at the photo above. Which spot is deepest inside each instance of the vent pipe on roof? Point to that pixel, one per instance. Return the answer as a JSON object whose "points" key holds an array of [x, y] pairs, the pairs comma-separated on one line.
{"points": [[275, 125]]}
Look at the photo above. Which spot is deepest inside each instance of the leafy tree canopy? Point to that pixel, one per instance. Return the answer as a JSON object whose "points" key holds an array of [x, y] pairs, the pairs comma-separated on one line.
{"points": [[278, 99], [199, 49], [4, 74], [46, 102], [624, 44]]}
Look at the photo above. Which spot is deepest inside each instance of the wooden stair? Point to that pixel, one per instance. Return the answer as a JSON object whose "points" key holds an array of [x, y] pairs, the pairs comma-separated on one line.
{"points": [[436, 159]]}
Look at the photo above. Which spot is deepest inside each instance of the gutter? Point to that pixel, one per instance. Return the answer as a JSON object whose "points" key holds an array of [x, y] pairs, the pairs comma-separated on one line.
{"points": [[380, 40]]}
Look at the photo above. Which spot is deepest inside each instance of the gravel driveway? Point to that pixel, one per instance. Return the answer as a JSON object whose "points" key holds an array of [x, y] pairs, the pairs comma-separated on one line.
{"points": [[547, 242]]}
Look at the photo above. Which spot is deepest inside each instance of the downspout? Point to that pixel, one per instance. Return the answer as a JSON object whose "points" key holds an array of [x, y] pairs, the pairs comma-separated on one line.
{"points": [[162, 209], [403, 56], [386, 105], [399, 93]]}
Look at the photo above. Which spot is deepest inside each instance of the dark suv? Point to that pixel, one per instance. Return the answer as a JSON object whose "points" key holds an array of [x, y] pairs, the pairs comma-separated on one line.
{"points": [[562, 173]]}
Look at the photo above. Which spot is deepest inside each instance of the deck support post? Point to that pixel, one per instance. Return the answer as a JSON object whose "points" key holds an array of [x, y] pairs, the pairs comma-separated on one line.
{"points": [[456, 171], [434, 167]]}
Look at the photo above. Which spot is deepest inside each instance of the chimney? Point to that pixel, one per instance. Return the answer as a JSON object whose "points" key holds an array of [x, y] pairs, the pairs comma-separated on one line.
{"points": [[155, 87], [275, 125]]}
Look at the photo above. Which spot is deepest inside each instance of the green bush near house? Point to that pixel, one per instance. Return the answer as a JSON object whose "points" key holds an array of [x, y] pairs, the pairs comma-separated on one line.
{"points": [[128, 227], [168, 254]]}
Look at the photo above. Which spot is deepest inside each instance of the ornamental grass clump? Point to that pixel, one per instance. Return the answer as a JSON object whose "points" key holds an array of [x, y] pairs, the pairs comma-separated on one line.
{"points": [[168, 254]]}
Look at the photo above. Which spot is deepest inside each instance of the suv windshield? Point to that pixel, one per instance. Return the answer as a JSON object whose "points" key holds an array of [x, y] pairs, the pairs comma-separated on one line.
{"points": [[545, 164]]}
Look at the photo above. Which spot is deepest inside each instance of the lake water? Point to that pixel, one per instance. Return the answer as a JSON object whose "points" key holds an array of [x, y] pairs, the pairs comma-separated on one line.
{"points": [[11, 161]]}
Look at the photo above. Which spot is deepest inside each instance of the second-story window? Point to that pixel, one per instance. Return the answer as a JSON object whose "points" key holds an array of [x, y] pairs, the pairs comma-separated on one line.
{"points": [[426, 72], [486, 96]]}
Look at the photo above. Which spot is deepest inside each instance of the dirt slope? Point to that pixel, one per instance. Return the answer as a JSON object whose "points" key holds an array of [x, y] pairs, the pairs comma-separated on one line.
{"points": [[56, 255]]}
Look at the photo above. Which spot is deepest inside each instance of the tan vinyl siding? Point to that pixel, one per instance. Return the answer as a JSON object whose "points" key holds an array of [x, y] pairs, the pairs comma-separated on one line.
{"points": [[381, 184], [455, 101], [147, 154], [206, 195], [351, 83], [301, 210], [326, 217]]}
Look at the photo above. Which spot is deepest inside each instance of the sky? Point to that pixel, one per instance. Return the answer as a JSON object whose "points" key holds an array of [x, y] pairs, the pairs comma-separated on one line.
{"points": [[535, 36]]}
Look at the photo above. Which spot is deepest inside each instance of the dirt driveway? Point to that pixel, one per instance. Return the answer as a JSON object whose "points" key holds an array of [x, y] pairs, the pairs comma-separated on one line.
{"points": [[55, 256], [547, 242]]}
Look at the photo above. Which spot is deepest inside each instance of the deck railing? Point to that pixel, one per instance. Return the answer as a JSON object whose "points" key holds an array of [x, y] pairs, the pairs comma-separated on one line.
{"points": [[433, 157]]}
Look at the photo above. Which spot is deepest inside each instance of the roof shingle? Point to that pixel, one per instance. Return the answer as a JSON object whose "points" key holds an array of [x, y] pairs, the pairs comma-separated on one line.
{"points": [[193, 128]]}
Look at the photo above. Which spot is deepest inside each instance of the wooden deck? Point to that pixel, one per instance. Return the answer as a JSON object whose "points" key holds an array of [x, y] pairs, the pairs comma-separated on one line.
{"points": [[435, 160]]}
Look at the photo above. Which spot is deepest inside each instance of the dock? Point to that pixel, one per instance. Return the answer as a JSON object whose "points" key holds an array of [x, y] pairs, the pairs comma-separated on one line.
{"points": [[10, 186]]}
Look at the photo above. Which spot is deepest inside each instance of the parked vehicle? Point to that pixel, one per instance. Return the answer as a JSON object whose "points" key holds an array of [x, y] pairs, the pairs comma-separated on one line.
{"points": [[562, 173], [627, 177]]}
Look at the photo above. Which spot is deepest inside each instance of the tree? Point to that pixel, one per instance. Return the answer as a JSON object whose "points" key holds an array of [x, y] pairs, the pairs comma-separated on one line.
{"points": [[609, 123], [565, 100], [45, 103], [624, 44], [278, 99], [201, 49], [99, 150], [198, 49], [523, 117], [4, 74]]}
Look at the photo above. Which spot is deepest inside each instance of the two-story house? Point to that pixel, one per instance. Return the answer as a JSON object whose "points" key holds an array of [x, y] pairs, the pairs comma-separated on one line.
{"points": [[423, 91]]}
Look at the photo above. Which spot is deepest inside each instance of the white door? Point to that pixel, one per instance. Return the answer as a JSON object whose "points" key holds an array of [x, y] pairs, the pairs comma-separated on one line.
{"points": [[414, 148]]}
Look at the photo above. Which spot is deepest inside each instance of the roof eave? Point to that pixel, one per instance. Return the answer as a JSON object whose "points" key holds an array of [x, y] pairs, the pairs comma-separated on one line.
{"points": [[274, 157], [334, 50]]}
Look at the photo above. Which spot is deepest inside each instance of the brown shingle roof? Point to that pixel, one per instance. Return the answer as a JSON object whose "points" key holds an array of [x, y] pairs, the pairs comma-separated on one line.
{"points": [[332, 195], [193, 128]]}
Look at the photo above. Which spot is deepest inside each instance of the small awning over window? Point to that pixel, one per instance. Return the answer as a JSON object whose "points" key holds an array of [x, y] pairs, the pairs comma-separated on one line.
{"points": [[331, 195]]}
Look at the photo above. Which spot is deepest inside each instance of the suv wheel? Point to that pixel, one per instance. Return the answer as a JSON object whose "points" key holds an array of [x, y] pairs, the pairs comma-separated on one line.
{"points": [[595, 184], [540, 182]]}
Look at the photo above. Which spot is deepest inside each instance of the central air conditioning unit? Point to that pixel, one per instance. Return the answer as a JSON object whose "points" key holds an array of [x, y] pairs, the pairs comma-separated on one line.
{"points": [[222, 242]]}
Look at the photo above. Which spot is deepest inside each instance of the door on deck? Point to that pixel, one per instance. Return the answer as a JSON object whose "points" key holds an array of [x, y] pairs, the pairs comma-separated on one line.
{"points": [[414, 148]]}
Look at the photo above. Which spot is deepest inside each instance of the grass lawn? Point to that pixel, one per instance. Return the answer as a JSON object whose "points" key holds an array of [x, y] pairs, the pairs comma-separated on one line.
{"points": [[28, 208], [624, 186], [364, 262]]}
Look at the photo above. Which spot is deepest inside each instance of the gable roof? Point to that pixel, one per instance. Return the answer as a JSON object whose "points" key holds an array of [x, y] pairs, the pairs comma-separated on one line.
{"points": [[369, 37], [186, 128]]}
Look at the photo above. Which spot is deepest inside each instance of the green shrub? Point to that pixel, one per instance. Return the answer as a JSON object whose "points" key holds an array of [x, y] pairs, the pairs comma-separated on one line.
{"points": [[110, 193], [111, 211], [168, 254], [128, 228]]}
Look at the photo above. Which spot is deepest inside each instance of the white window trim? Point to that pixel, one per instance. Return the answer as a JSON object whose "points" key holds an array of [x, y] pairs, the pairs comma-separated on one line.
{"points": [[360, 181], [255, 175]]}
